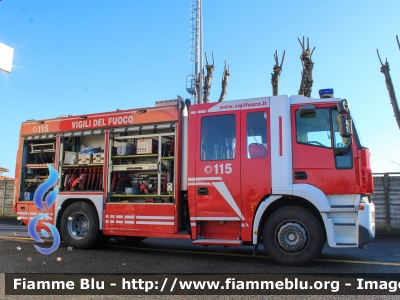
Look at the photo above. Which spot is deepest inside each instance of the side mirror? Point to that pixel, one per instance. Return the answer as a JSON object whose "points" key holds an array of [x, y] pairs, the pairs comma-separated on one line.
{"points": [[345, 127], [342, 107], [307, 111]]}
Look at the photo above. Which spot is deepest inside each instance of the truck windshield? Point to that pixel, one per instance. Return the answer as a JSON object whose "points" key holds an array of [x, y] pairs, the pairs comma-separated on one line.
{"points": [[357, 135]]}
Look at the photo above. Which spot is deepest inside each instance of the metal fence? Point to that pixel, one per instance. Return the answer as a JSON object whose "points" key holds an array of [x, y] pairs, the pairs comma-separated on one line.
{"points": [[387, 202]]}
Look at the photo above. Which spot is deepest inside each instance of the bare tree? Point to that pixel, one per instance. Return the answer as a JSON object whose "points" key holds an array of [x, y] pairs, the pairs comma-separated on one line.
{"points": [[196, 88], [396, 163], [277, 73], [225, 79], [398, 43], [306, 75], [389, 85], [207, 80]]}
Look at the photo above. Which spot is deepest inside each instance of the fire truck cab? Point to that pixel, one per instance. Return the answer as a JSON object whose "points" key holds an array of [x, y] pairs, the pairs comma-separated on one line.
{"points": [[288, 172]]}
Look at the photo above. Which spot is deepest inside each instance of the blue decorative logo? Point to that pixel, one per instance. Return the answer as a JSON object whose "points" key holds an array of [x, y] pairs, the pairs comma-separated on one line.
{"points": [[38, 201]]}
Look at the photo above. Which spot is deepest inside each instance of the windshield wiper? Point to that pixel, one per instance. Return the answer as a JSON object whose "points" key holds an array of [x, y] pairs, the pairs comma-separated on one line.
{"points": [[345, 150]]}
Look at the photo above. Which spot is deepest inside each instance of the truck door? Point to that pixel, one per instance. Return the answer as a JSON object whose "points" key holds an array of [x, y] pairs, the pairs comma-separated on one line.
{"points": [[255, 163], [321, 157], [217, 181]]}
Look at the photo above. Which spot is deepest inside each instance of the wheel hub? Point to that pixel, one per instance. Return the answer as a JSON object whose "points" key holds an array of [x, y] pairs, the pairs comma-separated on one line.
{"points": [[292, 236], [78, 225]]}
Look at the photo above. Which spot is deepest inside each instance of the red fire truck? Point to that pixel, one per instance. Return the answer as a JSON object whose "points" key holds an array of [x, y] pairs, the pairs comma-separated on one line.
{"points": [[288, 172]]}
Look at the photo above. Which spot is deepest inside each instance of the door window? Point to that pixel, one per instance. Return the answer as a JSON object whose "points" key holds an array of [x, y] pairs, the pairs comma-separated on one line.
{"points": [[256, 134], [218, 137], [315, 131]]}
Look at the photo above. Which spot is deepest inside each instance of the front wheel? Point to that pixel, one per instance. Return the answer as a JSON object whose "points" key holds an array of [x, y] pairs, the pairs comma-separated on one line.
{"points": [[293, 236], [79, 226]]}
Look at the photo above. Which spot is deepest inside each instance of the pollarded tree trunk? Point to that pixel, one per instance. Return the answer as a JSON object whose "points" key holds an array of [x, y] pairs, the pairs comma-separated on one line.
{"points": [[389, 84], [306, 75], [225, 79], [277, 73]]}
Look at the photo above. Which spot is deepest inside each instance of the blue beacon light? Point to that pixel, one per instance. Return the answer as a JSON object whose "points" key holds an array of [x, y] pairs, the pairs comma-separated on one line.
{"points": [[326, 93]]}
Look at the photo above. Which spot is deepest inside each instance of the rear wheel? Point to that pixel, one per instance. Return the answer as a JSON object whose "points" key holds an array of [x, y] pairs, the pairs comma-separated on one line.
{"points": [[79, 226], [293, 236]]}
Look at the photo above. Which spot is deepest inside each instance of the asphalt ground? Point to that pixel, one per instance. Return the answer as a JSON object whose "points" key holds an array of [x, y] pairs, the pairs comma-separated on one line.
{"points": [[18, 255], [153, 255]]}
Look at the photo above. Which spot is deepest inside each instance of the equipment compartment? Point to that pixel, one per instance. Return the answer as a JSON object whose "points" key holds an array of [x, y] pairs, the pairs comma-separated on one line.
{"points": [[148, 175], [82, 157], [37, 153]]}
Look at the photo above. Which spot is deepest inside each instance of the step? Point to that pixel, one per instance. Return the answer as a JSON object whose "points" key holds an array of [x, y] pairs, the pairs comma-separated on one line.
{"points": [[346, 244], [343, 207], [345, 224], [216, 242]]}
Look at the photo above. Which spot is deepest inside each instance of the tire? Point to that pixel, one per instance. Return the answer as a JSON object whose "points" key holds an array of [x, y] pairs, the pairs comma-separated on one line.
{"points": [[293, 236], [79, 226]]}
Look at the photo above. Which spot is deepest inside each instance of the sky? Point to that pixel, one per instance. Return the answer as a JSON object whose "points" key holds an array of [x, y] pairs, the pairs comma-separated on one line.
{"points": [[80, 57]]}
